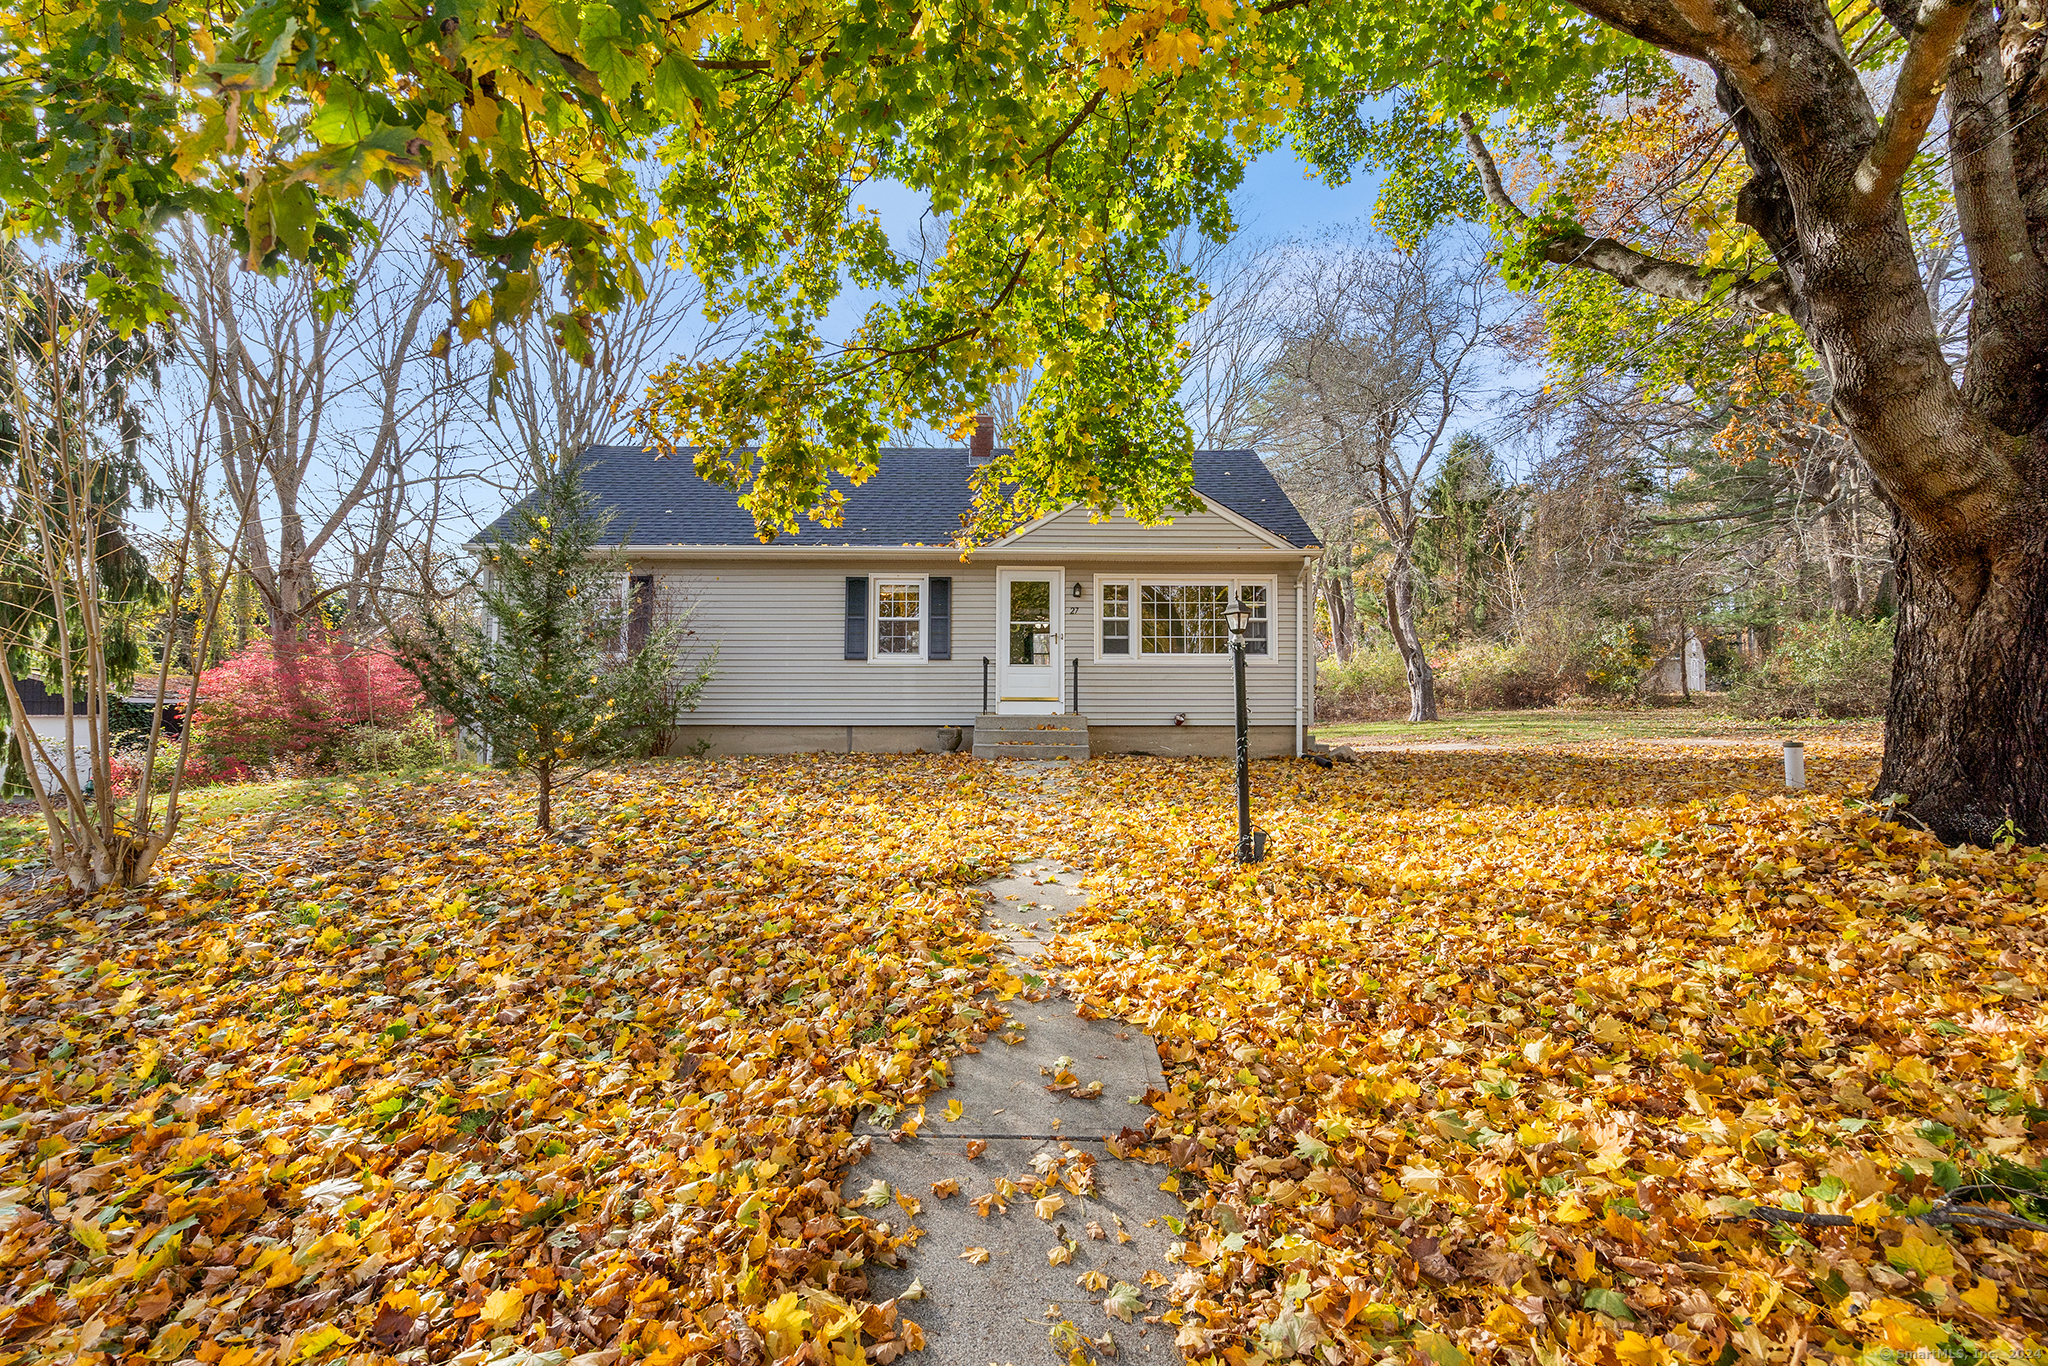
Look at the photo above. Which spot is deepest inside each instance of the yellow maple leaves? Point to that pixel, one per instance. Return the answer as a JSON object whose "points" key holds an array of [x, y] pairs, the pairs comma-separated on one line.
{"points": [[1552, 1011], [385, 1047], [1514, 1041]]}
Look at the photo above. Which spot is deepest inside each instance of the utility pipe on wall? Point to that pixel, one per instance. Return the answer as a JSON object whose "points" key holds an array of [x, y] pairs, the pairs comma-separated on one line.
{"points": [[1302, 635], [1299, 637]]}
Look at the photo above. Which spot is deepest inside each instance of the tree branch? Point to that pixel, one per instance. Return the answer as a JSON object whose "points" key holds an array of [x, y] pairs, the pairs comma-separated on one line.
{"points": [[1915, 97], [1050, 148], [1652, 275], [2007, 344], [1734, 35], [1659, 25]]}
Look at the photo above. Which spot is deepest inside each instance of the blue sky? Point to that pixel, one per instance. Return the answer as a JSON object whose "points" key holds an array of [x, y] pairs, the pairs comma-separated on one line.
{"points": [[1278, 199]]}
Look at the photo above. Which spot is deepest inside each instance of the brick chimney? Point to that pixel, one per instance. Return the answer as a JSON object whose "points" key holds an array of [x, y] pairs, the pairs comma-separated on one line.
{"points": [[983, 448]]}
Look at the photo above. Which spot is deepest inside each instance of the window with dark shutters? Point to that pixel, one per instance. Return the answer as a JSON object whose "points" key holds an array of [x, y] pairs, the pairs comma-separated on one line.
{"points": [[856, 617], [640, 612], [939, 620]]}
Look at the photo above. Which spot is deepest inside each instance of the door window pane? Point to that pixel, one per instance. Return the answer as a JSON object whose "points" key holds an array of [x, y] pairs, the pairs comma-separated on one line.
{"points": [[1030, 621], [1183, 618], [899, 618]]}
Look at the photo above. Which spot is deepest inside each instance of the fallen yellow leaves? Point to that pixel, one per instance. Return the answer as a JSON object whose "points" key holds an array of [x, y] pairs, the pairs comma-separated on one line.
{"points": [[1494, 1058], [399, 1077]]}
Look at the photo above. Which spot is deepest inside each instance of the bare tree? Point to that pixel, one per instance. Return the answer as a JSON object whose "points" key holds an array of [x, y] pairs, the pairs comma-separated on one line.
{"points": [[1228, 345], [554, 403], [325, 398], [1376, 359]]}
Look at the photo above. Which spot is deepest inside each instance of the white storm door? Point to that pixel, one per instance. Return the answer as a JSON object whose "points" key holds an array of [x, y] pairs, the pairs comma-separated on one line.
{"points": [[1028, 641]]}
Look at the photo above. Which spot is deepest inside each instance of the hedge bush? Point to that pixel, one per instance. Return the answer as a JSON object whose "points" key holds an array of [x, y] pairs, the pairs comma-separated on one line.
{"points": [[419, 743], [1373, 684], [1838, 667]]}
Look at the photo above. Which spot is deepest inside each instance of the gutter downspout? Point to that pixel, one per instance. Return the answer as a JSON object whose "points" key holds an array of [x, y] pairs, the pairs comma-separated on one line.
{"points": [[1301, 636]]}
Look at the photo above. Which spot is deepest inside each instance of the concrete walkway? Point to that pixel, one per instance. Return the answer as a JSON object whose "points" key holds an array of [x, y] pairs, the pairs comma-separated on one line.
{"points": [[1006, 1287]]}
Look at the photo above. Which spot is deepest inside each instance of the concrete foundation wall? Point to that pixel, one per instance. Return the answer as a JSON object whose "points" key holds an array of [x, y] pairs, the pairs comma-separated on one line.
{"points": [[725, 740], [1267, 742]]}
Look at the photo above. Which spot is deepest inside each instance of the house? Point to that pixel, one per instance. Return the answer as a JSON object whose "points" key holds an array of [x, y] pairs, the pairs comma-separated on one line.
{"points": [[1069, 636]]}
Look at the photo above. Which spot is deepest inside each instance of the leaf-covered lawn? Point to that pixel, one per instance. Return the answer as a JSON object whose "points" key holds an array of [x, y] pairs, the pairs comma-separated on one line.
{"points": [[1491, 1060], [396, 1075], [1565, 726]]}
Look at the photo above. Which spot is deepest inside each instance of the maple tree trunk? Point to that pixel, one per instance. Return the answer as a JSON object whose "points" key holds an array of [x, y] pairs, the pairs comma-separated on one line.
{"points": [[1965, 464], [1401, 623], [1342, 640], [1966, 731], [1963, 459]]}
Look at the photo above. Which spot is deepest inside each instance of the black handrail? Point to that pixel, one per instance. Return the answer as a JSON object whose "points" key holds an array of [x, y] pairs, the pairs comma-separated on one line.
{"points": [[986, 665], [1076, 708]]}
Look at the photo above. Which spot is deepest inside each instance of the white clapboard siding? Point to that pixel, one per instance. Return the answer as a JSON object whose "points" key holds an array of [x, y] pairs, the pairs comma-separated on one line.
{"points": [[779, 628], [1075, 530]]}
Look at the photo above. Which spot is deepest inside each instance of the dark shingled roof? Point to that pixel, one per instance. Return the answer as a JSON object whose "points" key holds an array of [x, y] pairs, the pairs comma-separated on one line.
{"points": [[914, 497]]}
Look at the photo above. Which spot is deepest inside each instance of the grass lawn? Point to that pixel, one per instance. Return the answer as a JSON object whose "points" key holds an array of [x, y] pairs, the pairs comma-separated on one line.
{"points": [[1562, 727], [1496, 1059]]}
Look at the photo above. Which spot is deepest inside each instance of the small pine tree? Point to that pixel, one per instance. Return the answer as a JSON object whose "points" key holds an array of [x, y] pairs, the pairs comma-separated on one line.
{"points": [[547, 680]]}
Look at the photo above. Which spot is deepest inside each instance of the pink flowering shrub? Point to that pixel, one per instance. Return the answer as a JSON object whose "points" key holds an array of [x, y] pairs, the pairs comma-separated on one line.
{"points": [[299, 701]]}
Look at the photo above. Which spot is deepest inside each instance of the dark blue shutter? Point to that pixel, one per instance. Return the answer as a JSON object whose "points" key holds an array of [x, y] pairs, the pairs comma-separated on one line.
{"points": [[856, 617], [640, 612], [939, 618]]}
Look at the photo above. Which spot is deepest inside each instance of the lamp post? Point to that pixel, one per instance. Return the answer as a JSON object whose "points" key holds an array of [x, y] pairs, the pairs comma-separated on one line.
{"points": [[1251, 844]]}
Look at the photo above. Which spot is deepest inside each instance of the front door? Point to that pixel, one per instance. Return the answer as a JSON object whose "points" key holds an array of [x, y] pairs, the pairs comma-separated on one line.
{"points": [[1028, 641]]}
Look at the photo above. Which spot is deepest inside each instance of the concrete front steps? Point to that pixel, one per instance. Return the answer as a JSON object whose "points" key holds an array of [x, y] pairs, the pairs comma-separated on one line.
{"points": [[1030, 737]]}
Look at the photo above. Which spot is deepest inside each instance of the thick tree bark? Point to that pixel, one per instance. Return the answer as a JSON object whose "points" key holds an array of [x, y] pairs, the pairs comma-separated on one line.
{"points": [[1401, 623], [1966, 732]]}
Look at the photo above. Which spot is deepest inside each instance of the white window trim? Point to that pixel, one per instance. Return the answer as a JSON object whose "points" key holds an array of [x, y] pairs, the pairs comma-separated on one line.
{"points": [[1132, 603], [924, 618], [1270, 582], [1272, 587]]}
